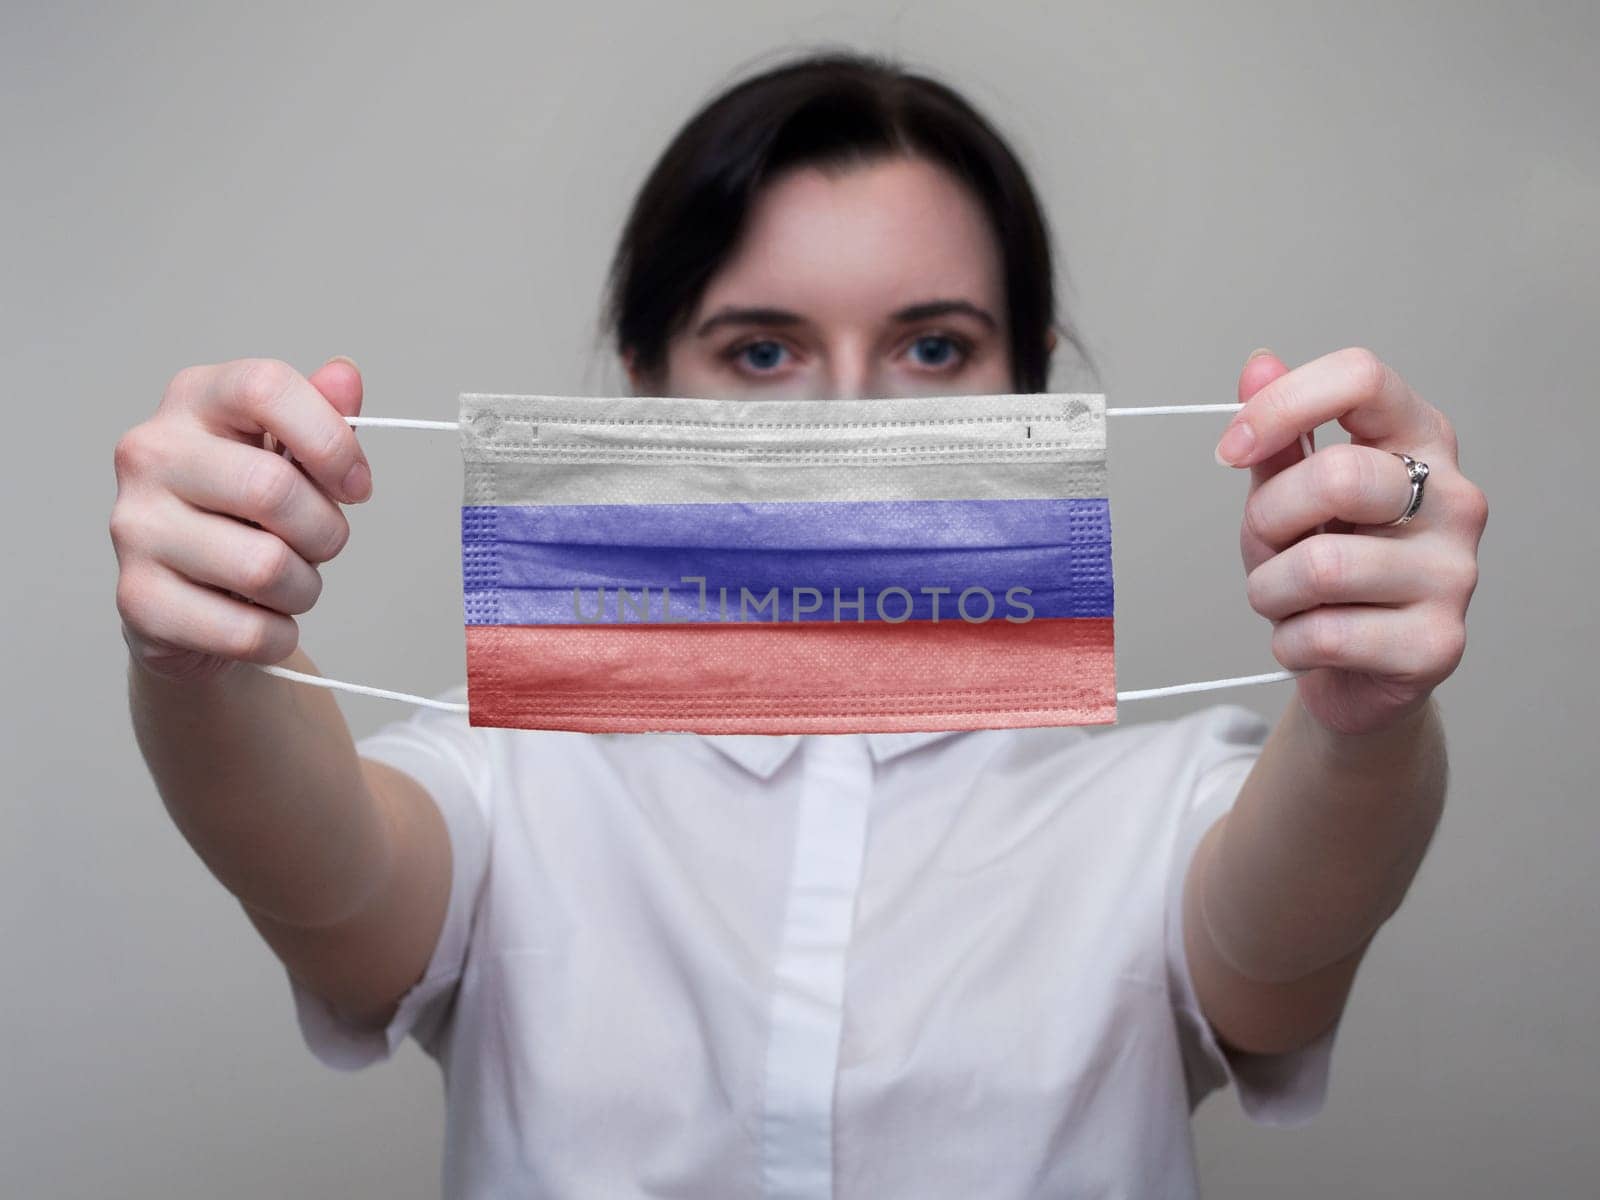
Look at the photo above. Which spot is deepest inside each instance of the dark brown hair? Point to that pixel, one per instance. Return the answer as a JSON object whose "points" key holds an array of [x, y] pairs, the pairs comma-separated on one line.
{"points": [[827, 108]]}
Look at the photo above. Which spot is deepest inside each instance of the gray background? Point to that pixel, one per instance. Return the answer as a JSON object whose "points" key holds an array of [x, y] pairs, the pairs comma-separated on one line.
{"points": [[435, 195]]}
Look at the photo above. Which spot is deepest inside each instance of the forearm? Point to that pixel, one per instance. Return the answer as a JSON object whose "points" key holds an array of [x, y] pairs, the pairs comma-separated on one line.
{"points": [[1322, 842], [262, 778]]}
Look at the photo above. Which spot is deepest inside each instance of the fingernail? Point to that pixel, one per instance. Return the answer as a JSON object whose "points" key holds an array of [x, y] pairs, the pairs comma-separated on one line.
{"points": [[358, 482], [1235, 444], [1257, 353], [343, 358]]}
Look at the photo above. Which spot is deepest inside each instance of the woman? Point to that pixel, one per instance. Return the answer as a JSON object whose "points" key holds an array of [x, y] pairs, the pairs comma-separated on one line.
{"points": [[989, 963]]}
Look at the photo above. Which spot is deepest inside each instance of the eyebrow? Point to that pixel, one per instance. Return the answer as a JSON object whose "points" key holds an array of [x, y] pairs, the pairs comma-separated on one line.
{"points": [[780, 316]]}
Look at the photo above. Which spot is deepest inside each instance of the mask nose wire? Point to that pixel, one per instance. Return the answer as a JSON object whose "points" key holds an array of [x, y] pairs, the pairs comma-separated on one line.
{"points": [[1152, 410]]}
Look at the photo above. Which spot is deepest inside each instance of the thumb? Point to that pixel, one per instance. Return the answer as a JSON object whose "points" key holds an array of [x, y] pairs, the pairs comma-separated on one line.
{"points": [[1260, 369], [1263, 367], [339, 380]]}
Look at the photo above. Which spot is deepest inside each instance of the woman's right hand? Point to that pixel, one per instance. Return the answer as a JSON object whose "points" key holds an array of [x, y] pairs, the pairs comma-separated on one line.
{"points": [[205, 509]]}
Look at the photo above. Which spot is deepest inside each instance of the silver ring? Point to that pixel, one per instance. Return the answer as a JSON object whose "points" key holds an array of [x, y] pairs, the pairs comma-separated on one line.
{"points": [[1417, 471]]}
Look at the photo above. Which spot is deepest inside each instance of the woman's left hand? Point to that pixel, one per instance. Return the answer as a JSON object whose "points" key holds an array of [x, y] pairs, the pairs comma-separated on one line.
{"points": [[1382, 607]]}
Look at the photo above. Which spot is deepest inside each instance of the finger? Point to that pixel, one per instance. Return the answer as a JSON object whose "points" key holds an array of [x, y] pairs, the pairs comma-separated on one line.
{"points": [[1344, 568], [164, 606], [1260, 369], [339, 381], [239, 480], [1418, 644], [1353, 387], [1342, 482], [236, 557], [261, 395]]}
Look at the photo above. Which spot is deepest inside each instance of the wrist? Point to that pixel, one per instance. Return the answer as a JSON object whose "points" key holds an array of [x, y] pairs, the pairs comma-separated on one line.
{"points": [[1378, 748]]}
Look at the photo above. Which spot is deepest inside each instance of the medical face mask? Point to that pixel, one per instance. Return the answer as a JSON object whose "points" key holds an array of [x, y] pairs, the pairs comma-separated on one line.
{"points": [[787, 566], [777, 566]]}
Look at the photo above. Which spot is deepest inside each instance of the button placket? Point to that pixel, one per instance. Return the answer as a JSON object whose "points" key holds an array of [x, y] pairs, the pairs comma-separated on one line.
{"points": [[808, 984]]}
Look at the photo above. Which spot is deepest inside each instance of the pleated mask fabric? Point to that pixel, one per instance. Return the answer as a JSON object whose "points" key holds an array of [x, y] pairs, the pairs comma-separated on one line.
{"points": [[778, 566]]}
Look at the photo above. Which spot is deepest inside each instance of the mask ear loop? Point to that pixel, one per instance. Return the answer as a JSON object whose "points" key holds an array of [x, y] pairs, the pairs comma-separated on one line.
{"points": [[1177, 689], [361, 689]]}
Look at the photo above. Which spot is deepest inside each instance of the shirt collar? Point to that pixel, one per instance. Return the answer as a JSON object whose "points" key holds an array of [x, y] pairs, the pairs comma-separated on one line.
{"points": [[764, 753]]}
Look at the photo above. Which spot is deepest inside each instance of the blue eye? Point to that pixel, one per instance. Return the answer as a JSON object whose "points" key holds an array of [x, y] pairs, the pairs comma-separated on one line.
{"points": [[763, 355], [942, 347]]}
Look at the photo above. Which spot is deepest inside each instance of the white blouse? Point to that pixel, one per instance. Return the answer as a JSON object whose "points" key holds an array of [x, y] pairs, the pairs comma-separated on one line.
{"points": [[930, 965]]}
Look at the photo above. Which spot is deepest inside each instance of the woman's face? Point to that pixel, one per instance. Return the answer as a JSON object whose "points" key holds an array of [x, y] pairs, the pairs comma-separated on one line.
{"points": [[877, 280]]}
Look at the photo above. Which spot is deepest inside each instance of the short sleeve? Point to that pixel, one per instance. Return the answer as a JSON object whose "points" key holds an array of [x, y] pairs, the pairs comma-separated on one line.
{"points": [[1281, 1090], [449, 758]]}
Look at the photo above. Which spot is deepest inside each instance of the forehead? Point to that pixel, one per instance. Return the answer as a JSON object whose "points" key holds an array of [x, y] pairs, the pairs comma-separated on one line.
{"points": [[864, 239]]}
